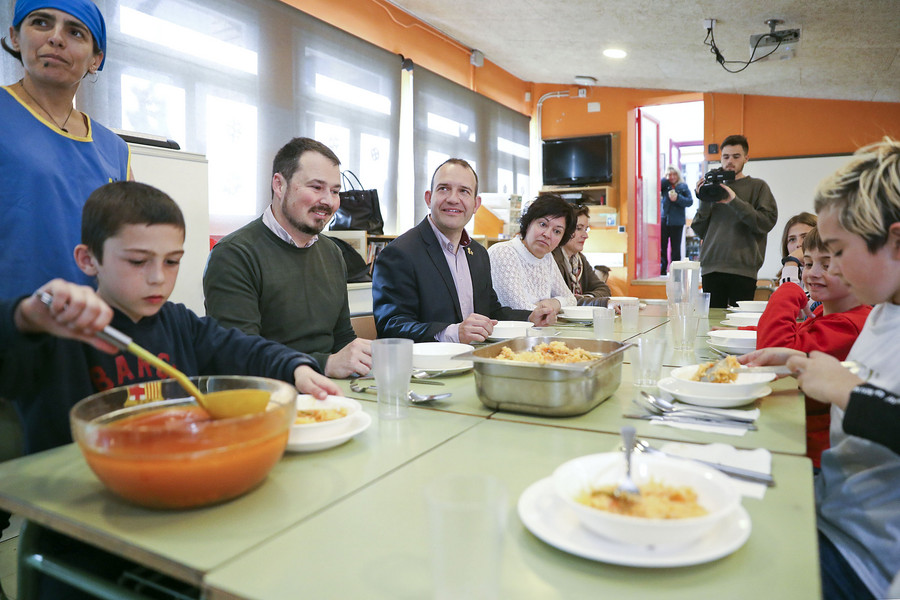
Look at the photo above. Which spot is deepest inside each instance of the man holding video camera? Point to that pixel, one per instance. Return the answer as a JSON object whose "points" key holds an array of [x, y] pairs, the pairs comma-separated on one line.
{"points": [[735, 216]]}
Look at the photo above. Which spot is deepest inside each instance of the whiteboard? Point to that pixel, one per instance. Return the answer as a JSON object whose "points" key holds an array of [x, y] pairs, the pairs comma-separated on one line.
{"points": [[793, 182], [184, 177]]}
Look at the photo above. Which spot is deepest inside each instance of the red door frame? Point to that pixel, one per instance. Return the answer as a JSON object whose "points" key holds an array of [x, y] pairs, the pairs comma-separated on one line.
{"points": [[647, 236]]}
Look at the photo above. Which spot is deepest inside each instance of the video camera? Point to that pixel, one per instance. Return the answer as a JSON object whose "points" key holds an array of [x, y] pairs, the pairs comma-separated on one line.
{"points": [[710, 191]]}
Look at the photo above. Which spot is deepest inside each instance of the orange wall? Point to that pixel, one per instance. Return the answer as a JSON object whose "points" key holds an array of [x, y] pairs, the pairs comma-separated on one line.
{"points": [[568, 117], [388, 27], [775, 127], [778, 127]]}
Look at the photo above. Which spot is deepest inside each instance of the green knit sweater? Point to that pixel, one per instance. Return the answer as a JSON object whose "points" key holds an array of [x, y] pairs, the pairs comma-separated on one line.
{"points": [[297, 296], [734, 234]]}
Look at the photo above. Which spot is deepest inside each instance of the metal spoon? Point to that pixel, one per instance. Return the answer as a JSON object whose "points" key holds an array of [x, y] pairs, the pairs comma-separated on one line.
{"points": [[413, 396], [416, 378], [425, 376], [626, 485], [220, 405], [665, 407], [422, 398]]}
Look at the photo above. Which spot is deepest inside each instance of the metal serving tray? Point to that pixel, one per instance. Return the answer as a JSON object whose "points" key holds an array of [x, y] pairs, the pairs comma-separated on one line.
{"points": [[556, 390]]}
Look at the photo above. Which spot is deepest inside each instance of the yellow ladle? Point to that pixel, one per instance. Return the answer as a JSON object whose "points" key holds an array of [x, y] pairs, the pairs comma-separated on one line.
{"points": [[220, 405]]}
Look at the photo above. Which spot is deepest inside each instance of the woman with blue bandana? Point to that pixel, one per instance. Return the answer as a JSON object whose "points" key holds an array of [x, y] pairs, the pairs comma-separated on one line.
{"points": [[52, 156]]}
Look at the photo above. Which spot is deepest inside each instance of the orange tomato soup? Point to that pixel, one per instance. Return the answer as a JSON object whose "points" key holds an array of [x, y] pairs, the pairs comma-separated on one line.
{"points": [[189, 460]]}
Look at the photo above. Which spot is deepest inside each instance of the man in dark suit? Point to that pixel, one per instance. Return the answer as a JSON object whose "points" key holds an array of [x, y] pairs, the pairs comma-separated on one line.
{"points": [[433, 283]]}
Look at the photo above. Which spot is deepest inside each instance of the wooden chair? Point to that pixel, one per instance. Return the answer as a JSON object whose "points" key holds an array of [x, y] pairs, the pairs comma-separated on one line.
{"points": [[764, 289], [364, 326]]}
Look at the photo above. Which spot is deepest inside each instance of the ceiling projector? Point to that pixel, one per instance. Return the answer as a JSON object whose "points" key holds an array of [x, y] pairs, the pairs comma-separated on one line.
{"points": [[775, 45]]}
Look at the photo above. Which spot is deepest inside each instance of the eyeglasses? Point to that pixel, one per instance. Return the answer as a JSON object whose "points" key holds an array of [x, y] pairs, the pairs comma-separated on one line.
{"points": [[579, 228]]}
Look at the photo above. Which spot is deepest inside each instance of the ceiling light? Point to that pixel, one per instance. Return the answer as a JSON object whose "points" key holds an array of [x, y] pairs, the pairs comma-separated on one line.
{"points": [[614, 53], [585, 80]]}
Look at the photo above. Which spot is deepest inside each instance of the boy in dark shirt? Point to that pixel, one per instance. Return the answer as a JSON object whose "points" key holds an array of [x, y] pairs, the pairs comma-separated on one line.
{"points": [[132, 242]]}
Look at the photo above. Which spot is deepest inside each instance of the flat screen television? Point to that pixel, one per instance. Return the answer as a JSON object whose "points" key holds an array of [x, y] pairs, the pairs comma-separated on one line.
{"points": [[578, 161]]}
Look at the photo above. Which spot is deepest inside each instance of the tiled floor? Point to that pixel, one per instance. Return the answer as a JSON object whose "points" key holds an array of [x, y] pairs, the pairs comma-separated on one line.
{"points": [[9, 544]]}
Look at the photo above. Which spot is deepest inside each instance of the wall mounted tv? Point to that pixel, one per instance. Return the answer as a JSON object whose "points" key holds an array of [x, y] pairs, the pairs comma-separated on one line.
{"points": [[578, 161]]}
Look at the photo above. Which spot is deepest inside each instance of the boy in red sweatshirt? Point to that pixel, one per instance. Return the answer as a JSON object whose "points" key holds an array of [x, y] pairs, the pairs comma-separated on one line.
{"points": [[833, 327]]}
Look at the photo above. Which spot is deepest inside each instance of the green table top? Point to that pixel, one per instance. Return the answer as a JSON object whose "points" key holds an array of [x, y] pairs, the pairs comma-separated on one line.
{"points": [[781, 424], [375, 543], [349, 521], [57, 489]]}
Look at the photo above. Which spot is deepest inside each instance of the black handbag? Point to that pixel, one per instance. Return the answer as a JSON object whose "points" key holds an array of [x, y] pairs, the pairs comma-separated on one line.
{"points": [[357, 269], [359, 209]]}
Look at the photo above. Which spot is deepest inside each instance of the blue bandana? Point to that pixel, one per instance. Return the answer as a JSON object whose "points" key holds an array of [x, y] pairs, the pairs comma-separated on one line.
{"points": [[83, 10]]}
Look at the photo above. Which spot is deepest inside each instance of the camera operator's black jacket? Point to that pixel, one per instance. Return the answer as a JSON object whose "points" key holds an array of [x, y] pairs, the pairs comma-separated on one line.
{"points": [[734, 234]]}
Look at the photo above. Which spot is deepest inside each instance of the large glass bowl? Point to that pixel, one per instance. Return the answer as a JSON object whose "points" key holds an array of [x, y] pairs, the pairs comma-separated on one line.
{"points": [[169, 453]]}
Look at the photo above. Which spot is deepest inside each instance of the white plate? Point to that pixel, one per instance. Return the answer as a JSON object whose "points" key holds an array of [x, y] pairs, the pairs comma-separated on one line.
{"points": [[729, 349], [436, 356], [753, 305], [744, 318], [671, 386], [453, 371], [577, 312], [507, 330], [735, 337], [314, 443], [546, 516], [730, 323], [566, 319]]}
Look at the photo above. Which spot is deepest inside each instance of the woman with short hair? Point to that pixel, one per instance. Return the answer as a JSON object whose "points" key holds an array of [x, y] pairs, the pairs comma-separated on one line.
{"points": [[523, 270]]}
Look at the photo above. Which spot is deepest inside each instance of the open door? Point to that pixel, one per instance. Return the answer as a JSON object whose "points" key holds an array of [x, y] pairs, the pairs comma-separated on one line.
{"points": [[646, 201]]}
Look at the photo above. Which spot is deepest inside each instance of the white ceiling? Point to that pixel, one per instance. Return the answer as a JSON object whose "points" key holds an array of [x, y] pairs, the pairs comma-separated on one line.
{"points": [[849, 49]]}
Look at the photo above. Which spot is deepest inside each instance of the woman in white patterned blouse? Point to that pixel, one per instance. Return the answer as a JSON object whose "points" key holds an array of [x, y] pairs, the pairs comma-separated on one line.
{"points": [[523, 271]]}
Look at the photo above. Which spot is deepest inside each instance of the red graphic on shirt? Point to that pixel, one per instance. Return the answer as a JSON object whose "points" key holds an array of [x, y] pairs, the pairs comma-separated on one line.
{"points": [[136, 392], [124, 374]]}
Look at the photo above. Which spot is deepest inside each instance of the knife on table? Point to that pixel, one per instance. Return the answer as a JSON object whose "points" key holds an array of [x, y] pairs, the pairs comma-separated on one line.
{"points": [[694, 421]]}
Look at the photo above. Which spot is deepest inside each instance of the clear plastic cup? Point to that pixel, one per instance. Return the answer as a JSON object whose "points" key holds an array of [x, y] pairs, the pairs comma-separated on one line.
{"points": [[604, 323], [392, 363], [647, 359], [467, 518]]}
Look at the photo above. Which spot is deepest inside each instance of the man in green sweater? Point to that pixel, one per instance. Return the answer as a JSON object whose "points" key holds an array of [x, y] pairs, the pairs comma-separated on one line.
{"points": [[734, 230], [276, 277]]}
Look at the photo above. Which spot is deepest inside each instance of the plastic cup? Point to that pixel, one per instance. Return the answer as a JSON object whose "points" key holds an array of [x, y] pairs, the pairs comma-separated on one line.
{"points": [[683, 323], [467, 517], [629, 310], [674, 291], [392, 359], [604, 323], [647, 360], [702, 305]]}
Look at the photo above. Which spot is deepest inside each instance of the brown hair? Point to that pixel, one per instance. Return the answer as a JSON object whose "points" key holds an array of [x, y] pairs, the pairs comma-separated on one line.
{"points": [[813, 241], [287, 160], [549, 205], [736, 140], [805, 218], [460, 163], [111, 207]]}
